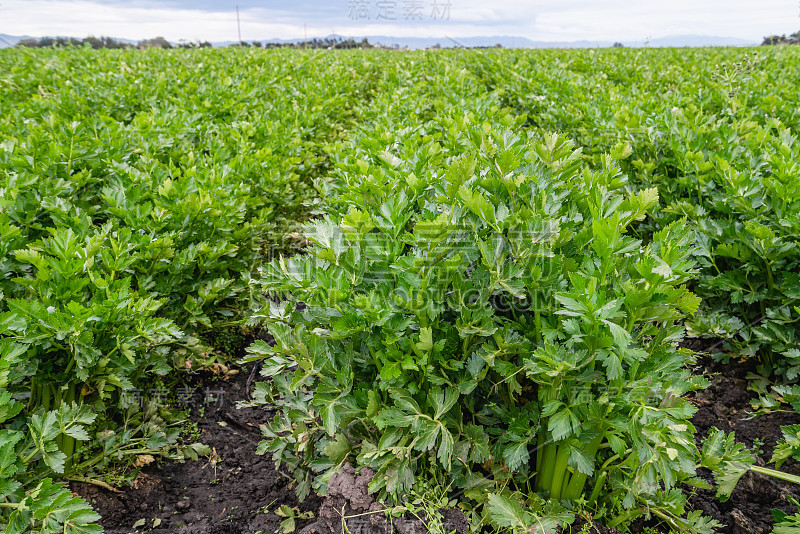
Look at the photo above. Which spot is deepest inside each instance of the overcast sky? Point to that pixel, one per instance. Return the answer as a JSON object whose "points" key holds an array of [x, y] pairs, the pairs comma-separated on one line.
{"points": [[542, 20]]}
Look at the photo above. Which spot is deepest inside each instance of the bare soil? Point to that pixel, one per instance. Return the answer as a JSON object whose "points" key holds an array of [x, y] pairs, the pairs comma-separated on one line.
{"points": [[726, 405], [240, 492], [236, 494]]}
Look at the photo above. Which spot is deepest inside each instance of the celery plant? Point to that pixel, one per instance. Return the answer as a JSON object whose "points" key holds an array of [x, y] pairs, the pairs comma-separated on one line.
{"points": [[487, 316]]}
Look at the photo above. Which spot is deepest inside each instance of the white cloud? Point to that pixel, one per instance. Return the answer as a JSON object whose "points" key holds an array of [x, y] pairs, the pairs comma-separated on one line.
{"points": [[539, 20], [621, 20], [81, 18]]}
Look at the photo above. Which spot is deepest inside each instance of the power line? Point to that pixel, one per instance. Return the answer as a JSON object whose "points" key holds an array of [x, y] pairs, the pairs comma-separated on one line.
{"points": [[456, 42], [239, 25]]}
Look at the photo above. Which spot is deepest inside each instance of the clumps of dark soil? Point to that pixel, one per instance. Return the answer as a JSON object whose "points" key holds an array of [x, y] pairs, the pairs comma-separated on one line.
{"points": [[237, 491], [233, 492], [350, 508], [726, 405]]}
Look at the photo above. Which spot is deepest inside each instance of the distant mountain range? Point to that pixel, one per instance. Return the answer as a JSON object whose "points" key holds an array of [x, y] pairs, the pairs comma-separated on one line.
{"points": [[505, 41], [11, 40], [694, 40]]}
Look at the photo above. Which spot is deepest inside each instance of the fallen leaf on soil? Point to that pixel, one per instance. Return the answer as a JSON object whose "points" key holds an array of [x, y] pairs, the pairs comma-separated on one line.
{"points": [[143, 459]]}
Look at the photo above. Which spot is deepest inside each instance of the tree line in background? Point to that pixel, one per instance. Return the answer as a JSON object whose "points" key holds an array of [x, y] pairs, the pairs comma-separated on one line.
{"points": [[793, 39], [328, 43], [160, 42], [105, 42]]}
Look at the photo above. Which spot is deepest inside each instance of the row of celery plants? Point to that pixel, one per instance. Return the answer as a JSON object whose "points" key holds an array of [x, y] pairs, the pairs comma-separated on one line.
{"points": [[139, 192], [471, 309]]}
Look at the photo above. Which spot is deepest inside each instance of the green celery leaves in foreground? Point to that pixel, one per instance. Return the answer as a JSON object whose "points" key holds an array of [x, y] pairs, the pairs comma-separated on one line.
{"points": [[487, 317]]}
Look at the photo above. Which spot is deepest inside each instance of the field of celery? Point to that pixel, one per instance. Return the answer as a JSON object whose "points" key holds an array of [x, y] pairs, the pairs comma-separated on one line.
{"points": [[507, 288]]}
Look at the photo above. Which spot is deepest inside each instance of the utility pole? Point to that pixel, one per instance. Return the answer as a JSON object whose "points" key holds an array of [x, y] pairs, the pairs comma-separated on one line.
{"points": [[239, 25]]}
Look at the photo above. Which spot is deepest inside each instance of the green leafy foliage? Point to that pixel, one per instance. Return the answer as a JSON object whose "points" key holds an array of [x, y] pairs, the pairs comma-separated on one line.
{"points": [[721, 148], [480, 301], [538, 517], [788, 447], [290, 516], [137, 198], [785, 523], [53, 510], [484, 315], [28, 500], [727, 459]]}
